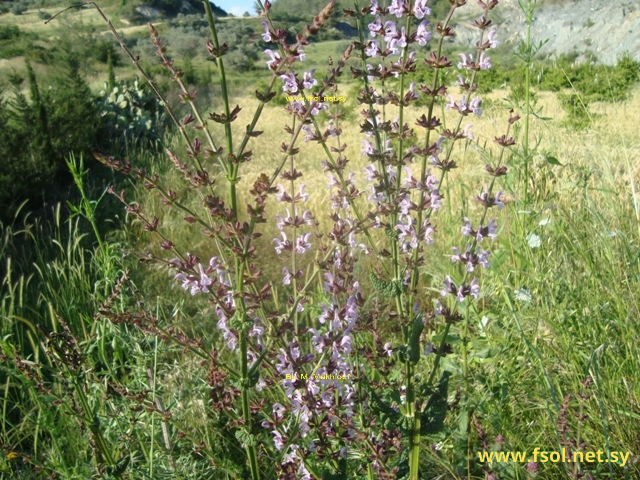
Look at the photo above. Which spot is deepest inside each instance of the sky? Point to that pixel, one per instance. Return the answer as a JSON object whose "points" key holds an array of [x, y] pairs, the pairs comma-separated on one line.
{"points": [[237, 7]]}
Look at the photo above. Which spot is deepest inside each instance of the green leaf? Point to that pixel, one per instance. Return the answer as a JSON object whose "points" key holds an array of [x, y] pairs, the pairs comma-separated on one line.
{"points": [[413, 350], [433, 416], [553, 161]]}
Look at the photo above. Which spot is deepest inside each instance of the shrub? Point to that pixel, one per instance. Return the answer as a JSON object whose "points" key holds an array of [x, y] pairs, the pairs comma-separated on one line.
{"points": [[315, 321], [39, 132]]}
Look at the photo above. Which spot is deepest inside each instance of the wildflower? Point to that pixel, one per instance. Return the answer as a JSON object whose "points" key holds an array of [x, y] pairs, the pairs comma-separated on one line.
{"points": [[422, 35], [278, 440], [372, 50], [301, 193], [491, 38], [523, 295], [491, 200], [317, 107], [473, 289], [194, 283], [274, 59], [309, 133], [308, 81], [266, 36], [375, 28], [483, 63], [534, 241], [420, 9], [302, 243], [397, 8], [287, 276], [282, 245], [474, 106], [290, 83]]}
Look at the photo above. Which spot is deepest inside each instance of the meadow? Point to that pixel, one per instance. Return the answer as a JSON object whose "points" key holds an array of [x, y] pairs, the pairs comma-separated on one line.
{"points": [[311, 290]]}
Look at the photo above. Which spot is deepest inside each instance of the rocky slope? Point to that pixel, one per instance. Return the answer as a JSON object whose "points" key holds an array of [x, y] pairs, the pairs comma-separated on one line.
{"points": [[606, 28]]}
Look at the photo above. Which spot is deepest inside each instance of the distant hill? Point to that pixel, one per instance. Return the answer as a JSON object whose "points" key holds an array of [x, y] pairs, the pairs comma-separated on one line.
{"points": [[174, 7]]}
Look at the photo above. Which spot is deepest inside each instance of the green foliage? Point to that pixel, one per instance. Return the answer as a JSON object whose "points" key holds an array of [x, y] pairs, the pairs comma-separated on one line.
{"points": [[594, 81], [9, 32], [39, 132], [18, 8], [577, 109], [14, 42], [106, 52]]}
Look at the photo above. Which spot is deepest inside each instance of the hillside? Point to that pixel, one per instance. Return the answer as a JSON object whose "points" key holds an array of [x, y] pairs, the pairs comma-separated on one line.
{"points": [[578, 27]]}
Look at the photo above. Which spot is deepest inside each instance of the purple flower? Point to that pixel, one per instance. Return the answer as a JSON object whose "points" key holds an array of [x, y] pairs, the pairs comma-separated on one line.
{"points": [[484, 63], [467, 229], [473, 289], [420, 9], [390, 31], [367, 149], [266, 36], [274, 59], [282, 195], [375, 28], [302, 243], [308, 81], [398, 41], [309, 133], [290, 83], [397, 8], [287, 276], [302, 195], [491, 200], [227, 334], [474, 105], [278, 440], [407, 235], [198, 285], [283, 244], [492, 40], [422, 35], [372, 50], [317, 107]]}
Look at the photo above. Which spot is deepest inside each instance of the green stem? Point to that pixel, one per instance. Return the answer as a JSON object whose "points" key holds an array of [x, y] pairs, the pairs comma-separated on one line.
{"points": [[232, 169], [527, 106]]}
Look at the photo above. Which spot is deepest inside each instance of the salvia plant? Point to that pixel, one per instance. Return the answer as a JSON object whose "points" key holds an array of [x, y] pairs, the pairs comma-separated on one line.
{"points": [[305, 380]]}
